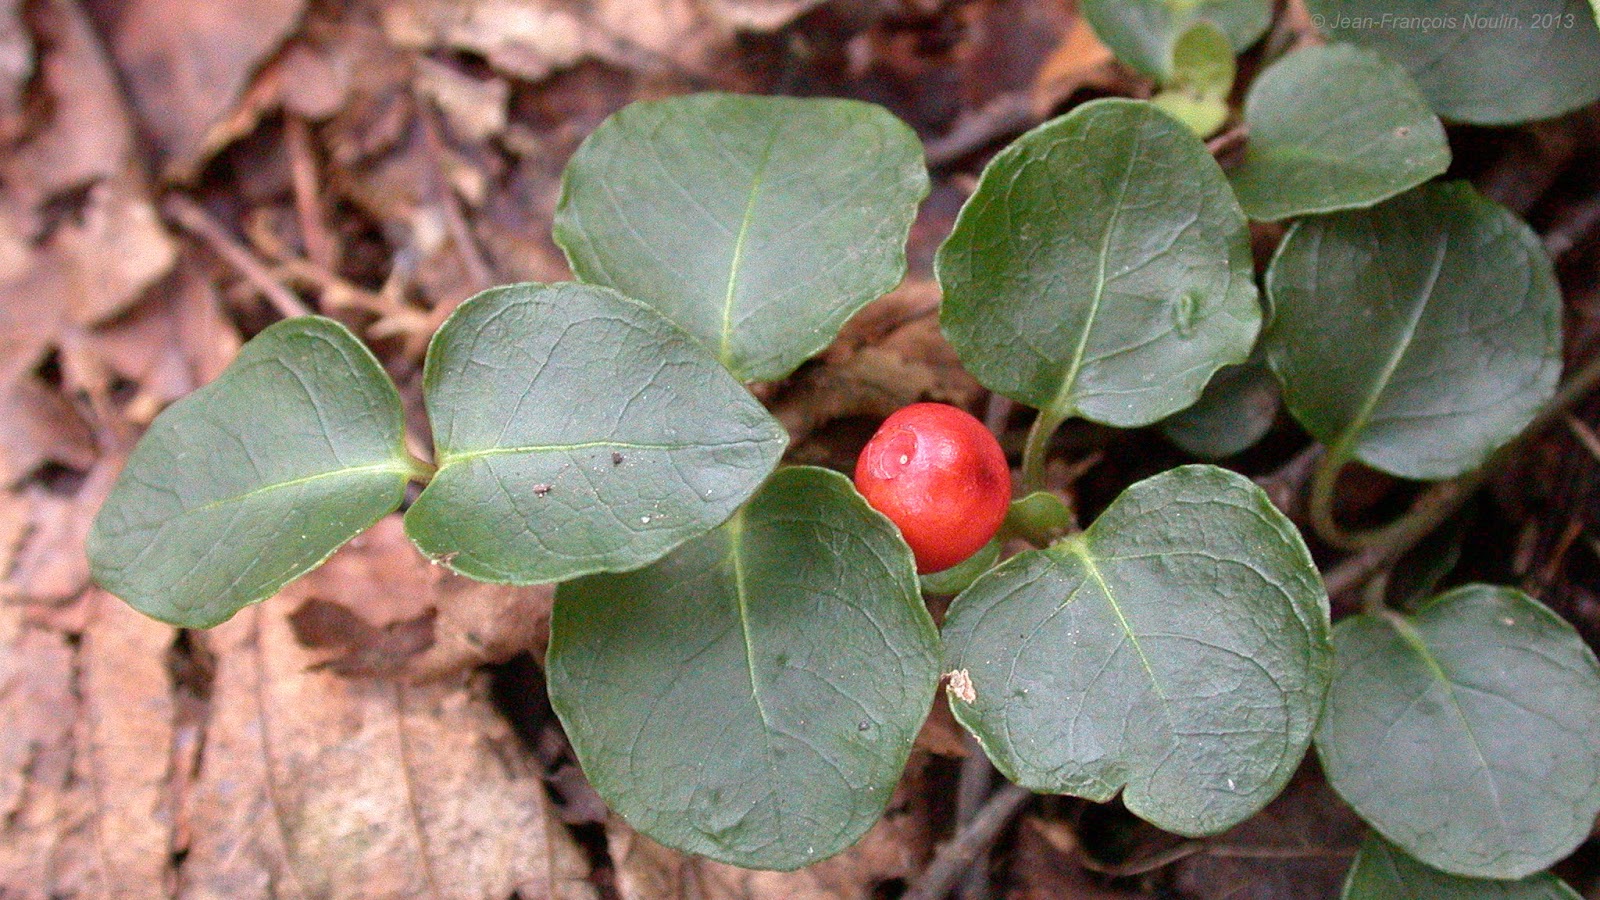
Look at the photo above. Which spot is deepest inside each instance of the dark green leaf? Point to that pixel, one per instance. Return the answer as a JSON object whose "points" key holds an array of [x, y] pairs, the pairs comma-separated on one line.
{"points": [[757, 224], [1102, 269], [753, 696], [578, 431], [253, 480], [1480, 61], [1236, 410], [1196, 93], [1418, 336], [1469, 734], [1382, 872], [1177, 650], [1142, 32], [1335, 127]]}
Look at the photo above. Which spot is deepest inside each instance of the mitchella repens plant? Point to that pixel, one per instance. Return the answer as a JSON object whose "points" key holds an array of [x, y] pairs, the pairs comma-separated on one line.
{"points": [[740, 653]]}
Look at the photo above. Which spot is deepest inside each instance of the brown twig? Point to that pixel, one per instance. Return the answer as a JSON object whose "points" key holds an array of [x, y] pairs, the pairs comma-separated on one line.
{"points": [[1444, 499], [321, 249], [950, 862], [189, 216], [1001, 117], [444, 193]]}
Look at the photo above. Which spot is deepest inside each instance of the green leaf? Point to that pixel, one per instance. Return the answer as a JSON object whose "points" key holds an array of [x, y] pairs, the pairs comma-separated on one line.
{"points": [[757, 224], [1177, 650], [1469, 734], [1236, 410], [1334, 127], [1418, 336], [1142, 33], [1101, 269], [1382, 872], [578, 431], [752, 697], [255, 479], [1480, 61], [1196, 93]]}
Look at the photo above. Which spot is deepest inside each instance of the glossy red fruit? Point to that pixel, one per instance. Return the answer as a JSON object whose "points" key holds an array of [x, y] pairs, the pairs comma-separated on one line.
{"points": [[940, 476]]}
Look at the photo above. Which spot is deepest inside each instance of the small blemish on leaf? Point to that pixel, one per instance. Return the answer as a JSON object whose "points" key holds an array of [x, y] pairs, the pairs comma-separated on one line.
{"points": [[616, 458], [960, 684], [1183, 314], [1402, 131], [539, 490]]}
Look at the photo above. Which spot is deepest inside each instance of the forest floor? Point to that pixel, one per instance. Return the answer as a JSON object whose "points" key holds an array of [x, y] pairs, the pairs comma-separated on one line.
{"points": [[175, 175]]}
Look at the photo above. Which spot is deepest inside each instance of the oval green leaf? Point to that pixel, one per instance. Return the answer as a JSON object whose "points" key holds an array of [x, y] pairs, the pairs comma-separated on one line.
{"points": [[752, 697], [1480, 61], [1382, 871], [254, 479], [1202, 78], [1236, 410], [757, 224], [1177, 650], [1101, 269], [1334, 127], [1418, 336], [578, 431], [1469, 734], [1142, 33]]}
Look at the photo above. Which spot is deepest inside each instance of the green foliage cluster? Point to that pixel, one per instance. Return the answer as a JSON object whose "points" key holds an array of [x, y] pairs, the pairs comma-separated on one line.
{"points": [[740, 653]]}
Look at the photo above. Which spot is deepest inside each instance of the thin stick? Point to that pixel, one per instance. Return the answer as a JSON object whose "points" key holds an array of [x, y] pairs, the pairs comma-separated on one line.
{"points": [[197, 222], [1440, 502], [320, 247], [953, 858]]}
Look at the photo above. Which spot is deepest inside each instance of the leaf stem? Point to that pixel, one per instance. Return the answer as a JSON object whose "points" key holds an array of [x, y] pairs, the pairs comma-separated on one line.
{"points": [[421, 471], [1037, 448]]}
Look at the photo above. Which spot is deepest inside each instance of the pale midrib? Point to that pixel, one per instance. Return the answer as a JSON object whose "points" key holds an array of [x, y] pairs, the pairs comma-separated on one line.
{"points": [[724, 350], [1133, 640], [1069, 382], [396, 468], [735, 539], [1341, 449], [447, 459], [1415, 642]]}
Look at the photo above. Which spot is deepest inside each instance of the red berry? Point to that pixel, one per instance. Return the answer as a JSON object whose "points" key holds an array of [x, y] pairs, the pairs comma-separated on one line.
{"points": [[940, 476]]}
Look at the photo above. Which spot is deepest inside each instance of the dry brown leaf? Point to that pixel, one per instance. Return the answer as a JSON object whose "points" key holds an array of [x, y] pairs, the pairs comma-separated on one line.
{"points": [[313, 785], [887, 356], [16, 66], [50, 567], [1307, 818], [1046, 864], [117, 251], [126, 736], [760, 15], [378, 607], [187, 65], [88, 137], [530, 39], [1080, 60], [40, 427], [475, 108], [45, 834]]}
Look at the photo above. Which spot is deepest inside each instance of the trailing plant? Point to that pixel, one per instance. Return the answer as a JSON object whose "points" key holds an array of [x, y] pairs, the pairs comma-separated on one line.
{"points": [[741, 654]]}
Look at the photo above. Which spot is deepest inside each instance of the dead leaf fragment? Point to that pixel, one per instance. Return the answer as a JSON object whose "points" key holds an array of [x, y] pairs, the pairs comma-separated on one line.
{"points": [[117, 251], [187, 65], [312, 784]]}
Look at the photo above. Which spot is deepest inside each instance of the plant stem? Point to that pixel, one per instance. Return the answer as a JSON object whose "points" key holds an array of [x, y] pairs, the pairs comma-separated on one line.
{"points": [[953, 858], [1382, 546], [1037, 448], [422, 471]]}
